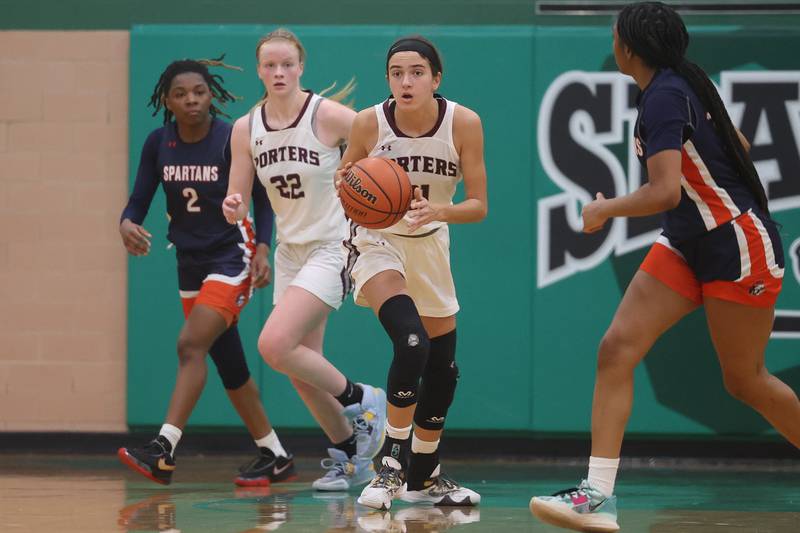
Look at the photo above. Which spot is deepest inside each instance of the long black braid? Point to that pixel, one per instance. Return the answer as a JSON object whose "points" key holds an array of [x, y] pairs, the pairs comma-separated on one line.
{"points": [[199, 66], [656, 33]]}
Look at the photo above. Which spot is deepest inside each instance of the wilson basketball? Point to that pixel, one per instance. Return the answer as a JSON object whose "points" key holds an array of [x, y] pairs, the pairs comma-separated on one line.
{"points": [[375, 193]]}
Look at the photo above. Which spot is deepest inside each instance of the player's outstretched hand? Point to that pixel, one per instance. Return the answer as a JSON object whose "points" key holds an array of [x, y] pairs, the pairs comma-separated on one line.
{"points": [[135, 238], [593, 217], [232, 206], [261, 270], [340, 174]]}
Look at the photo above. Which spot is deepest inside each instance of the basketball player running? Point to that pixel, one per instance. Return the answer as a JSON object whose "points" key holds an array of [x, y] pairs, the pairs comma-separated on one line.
{"points": [[292, 140], [403, 272], [217, 264], [719, 248]]}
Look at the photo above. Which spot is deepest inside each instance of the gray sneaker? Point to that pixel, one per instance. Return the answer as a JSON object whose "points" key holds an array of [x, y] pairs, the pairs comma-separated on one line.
{"points": [[369, 421], [343, 472]]}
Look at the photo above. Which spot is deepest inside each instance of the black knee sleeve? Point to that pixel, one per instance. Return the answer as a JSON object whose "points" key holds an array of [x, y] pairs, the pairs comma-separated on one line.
{"points": [[401, 321], [439, 382], [228, 354]]}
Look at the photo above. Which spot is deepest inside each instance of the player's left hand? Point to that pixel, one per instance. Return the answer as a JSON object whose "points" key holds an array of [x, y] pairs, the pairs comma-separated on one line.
{"points": [[421, 211], [260, 269], [593, 217]]}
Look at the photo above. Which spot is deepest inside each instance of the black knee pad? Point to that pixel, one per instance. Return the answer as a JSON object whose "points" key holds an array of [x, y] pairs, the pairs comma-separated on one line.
{"points": [[401, 321], [228, 355], [439, 382]]}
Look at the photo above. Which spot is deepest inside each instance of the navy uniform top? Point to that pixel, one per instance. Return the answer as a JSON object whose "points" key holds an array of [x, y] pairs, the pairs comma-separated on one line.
{"points": [[195, 180], [672, 117]]}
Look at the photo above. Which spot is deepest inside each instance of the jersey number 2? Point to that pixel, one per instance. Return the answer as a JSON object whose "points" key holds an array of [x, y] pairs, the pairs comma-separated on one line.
{"points": [[191, 194], [288, 186]]}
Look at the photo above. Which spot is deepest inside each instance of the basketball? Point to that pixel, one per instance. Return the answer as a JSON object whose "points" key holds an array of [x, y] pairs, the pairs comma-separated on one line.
{"points": [[376, 192]]}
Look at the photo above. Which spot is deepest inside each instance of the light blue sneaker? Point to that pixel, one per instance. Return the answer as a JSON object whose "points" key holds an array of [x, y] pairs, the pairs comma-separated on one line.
{"points": [[369, 421], [582, 508], [343, 472]]}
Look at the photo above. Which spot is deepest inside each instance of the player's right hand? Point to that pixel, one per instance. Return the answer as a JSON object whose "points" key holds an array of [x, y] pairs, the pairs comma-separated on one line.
{"points": [[340, 174], [135, 238], [231, 206]]}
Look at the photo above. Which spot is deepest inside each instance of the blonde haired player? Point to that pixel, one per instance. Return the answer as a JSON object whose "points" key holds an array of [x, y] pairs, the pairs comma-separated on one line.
{"points": [[403, 272], [292, 141]]}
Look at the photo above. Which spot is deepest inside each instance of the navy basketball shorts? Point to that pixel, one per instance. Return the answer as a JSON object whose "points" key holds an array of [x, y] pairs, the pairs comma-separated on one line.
{"points": [[219, 279]]}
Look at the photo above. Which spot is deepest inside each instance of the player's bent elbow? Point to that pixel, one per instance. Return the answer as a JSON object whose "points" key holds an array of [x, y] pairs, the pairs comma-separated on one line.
{"points": [[672, 199]]}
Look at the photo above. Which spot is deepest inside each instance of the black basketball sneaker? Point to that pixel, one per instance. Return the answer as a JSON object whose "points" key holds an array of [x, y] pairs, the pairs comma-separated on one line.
{"points": [[154, 460], [266, 468]]}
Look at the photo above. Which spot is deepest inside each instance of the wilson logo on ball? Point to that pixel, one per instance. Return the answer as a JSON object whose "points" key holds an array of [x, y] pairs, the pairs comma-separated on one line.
{"points": [[355, 183]]}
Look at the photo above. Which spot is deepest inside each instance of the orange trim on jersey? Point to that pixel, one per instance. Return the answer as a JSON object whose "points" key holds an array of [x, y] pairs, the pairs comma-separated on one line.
{"points": [[671, 269], [692, 174], [251, 236], [755, 246]]}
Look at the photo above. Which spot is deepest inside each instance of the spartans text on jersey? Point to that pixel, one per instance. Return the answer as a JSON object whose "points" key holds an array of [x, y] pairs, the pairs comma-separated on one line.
{"points": [[190, 172]]}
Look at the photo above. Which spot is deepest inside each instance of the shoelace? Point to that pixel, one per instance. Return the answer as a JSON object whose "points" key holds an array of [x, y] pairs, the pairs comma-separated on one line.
{"points": [[443, 483], [388, 478], [361, 429], [333, 467]]}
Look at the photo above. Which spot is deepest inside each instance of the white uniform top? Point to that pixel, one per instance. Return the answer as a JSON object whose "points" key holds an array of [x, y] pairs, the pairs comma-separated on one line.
{"points": [[297, 170], [430, 160]]}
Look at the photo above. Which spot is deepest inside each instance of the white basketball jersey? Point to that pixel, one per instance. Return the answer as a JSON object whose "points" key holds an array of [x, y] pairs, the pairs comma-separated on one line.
{"points": [[431, 160], [298, 170]]}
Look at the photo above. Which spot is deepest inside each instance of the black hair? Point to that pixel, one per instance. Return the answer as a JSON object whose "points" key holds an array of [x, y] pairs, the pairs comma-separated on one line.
{"points": [[199, 66], [420, 45], [656, 33]]}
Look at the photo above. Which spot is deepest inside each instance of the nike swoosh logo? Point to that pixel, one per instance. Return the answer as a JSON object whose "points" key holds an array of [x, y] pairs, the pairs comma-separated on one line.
{"points": [[593, 507], [162, 465], [277, 471]]}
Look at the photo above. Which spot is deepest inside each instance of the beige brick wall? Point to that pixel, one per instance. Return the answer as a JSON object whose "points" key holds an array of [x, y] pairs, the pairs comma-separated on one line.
{"points": [[63, 182]]}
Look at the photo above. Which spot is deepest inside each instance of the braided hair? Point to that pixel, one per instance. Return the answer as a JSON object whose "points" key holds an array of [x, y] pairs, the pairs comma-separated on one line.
{"points": [[656, 33], [198, 66]]}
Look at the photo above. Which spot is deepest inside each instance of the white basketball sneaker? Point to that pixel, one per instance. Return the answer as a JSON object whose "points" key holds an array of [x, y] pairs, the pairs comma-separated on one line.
{"points": [[441, 490], [388, 484]]}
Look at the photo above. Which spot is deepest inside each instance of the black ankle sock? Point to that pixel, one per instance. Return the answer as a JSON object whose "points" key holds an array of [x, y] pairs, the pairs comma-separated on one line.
{"points": [[348, 446], [397, 449], [420, 468], [352, 394]]}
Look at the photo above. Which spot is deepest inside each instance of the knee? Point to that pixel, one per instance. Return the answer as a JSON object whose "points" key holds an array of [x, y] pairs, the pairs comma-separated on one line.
{"points": [[275, 350], [744, 388], [189, 353], [616, 352]]}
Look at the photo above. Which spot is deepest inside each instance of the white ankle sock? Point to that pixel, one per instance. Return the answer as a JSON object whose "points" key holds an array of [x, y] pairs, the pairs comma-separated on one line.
{"points": [[272, 442], [603, 474], [172, 434], [398, 433], [423, 446]]}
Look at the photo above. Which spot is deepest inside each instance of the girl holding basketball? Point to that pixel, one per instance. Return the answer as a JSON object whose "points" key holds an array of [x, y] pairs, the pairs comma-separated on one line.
{"points": [[719, 249], [403, 272], [292, 141]]}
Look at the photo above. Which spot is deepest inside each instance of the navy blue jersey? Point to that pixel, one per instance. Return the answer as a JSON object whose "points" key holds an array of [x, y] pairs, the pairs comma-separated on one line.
{"points": [[194, 177], [672, 117]]}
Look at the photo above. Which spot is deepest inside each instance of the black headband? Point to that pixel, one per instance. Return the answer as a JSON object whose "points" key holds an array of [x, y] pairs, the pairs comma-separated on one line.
{"points": [[412, 44]]}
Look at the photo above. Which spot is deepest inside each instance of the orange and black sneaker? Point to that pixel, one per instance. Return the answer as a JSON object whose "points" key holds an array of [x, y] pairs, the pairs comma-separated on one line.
{"points": [[154, 460], [265, 469]]}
